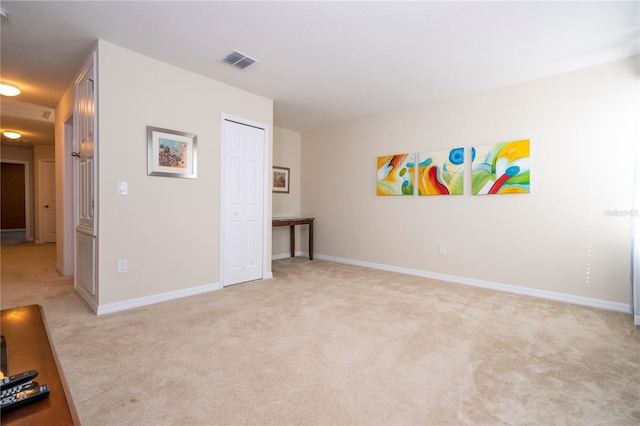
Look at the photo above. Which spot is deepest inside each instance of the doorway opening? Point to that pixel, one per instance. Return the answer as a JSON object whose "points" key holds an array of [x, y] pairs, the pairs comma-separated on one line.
{"points": [[15, 216]]}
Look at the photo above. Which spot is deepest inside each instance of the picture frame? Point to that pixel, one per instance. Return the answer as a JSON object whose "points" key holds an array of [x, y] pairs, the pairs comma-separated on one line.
{"points": [[171, 153], [280, 180]]}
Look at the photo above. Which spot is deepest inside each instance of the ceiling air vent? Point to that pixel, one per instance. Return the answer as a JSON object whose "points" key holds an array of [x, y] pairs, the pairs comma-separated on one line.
{"points": [[239, 60], [13, 108]]}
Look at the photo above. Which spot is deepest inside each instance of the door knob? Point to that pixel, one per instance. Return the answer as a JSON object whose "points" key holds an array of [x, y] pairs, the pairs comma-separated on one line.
{"points": [[46, 206]]}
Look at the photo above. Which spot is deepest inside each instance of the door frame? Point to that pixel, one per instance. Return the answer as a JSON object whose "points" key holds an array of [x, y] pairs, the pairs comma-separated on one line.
{"points": [[28, 199], [266, 214], [67, 264]]}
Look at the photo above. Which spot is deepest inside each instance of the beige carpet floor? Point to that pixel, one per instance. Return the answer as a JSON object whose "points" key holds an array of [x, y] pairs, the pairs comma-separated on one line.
{"points": [[326, 343]]}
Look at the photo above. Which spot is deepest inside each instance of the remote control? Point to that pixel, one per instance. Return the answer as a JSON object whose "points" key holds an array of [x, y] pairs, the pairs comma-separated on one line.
{"points": [[16, 379], [24, 398], [14, 390]]}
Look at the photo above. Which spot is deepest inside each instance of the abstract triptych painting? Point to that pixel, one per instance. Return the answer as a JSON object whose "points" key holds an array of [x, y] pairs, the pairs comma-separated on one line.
{"points": [[441, 172], [395, 174], [502, 168]]}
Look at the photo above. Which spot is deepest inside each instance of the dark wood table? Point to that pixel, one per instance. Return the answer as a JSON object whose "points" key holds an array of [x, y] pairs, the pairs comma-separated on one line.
{"points": [[29, 348], [292, 222]]}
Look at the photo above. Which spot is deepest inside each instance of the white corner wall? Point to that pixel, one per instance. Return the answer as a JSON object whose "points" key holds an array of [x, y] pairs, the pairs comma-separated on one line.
{"points": [[562, 238], [286, 153], [167, 228]]}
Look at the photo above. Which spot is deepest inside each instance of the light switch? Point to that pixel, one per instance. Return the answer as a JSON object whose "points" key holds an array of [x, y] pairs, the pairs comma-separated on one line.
{"points": [[123, 188]]}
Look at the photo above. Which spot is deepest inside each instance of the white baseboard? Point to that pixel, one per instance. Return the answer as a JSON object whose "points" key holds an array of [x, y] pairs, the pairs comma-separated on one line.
{"points": [[87, 297], [60, 270], [543, 294], [287, 255], [280, 256], [155, 298]]}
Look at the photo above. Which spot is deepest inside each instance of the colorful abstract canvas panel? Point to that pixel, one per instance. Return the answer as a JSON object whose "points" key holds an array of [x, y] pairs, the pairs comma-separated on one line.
{"points": [[502, 168], [441, 172], [395, 174]]}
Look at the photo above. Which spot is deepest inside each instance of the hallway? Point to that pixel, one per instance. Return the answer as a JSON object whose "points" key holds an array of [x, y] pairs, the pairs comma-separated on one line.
{"points": [[29, 276]]}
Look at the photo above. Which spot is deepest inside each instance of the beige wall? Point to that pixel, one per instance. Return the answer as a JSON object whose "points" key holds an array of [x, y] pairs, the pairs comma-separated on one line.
{"points": [[286, 153], [167, 228], [583, 128], [17, 153], [44, 152]]}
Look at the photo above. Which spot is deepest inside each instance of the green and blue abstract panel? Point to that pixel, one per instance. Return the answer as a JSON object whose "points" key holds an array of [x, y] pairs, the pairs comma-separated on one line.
{"points": [[501, 168]]}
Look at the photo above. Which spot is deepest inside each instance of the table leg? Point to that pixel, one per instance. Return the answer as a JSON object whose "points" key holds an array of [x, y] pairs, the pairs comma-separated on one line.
{"points": [[292, 237], [311, 240]]}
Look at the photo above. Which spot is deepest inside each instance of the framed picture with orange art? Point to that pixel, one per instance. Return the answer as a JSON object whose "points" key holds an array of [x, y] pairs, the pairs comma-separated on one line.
{"points": [[171, 153], [281, 179]]}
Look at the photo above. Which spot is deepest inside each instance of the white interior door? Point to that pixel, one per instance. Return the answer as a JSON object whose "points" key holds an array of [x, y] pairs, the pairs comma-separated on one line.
{"points": [[47, 201], [243, 201], [85, 176], [86, 151]]}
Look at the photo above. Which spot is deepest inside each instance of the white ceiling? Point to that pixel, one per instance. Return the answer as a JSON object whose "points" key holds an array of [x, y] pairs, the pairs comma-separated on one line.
{"points": [[323, 63]]}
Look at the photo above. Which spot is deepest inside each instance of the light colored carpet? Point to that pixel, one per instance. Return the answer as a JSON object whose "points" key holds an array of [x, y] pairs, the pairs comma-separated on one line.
{"points": [[326, 343]]}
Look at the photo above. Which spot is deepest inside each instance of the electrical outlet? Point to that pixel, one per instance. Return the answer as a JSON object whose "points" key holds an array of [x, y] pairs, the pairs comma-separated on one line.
{"points": [[443, 249], [122, 266]]}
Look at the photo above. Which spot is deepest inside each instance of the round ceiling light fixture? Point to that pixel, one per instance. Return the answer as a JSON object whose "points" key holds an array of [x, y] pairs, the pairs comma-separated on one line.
{"points": [[9, 90], [11, 135]]}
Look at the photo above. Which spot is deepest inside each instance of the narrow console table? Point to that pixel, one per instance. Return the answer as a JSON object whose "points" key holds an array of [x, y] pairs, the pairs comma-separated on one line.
{"points": [[29, 348], [292, 222]]}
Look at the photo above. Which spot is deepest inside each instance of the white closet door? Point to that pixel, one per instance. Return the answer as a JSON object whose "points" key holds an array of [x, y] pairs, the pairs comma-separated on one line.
{"points": [[243, 202]]}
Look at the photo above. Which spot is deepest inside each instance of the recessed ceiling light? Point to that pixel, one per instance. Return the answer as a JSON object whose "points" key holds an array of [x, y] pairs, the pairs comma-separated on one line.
{"points": [[11, 135], [9, 90]]}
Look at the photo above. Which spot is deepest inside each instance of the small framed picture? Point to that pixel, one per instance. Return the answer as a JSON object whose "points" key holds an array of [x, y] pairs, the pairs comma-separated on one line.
{"points": [[171, 153], [281, 179]]}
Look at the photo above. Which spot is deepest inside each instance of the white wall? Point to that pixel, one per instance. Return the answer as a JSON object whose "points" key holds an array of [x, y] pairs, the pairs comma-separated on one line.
{"points": [[583, 128], [167, 228], [286, 153]]}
